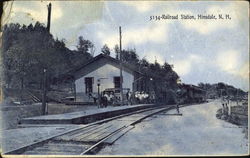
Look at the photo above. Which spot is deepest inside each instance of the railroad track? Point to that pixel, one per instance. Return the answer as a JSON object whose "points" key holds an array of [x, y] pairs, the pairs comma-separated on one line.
{"points": [[89, 139]]}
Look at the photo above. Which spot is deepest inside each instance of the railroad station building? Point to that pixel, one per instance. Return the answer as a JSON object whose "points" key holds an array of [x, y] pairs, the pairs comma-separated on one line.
{"points": [[103, 72]]}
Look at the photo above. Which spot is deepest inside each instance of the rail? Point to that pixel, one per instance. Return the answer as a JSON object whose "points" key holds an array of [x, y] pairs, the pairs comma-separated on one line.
{"points": [[81, 130]]}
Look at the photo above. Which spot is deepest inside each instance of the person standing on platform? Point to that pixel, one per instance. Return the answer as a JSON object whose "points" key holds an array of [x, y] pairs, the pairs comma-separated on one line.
{"points": [[178, 100], [177, 108], [112, 98]]}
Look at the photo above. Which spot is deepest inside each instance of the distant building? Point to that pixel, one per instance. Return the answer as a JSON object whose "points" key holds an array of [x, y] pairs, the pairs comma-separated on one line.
{"points": [[104, 70]]}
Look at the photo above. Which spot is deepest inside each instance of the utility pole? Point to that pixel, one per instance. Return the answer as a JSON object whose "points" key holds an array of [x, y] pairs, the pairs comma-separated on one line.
{"points": [[74, 89], [49, 17], [98, 91], [121, 77], [237, 97], [44, 93]]}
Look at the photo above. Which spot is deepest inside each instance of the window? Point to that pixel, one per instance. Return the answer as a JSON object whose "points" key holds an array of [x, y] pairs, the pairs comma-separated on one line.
{"points": [[89, 84], [117, 82]]}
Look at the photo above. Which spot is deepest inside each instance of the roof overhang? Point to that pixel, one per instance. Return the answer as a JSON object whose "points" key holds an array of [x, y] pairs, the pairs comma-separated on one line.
{"points": [[99, 61]]}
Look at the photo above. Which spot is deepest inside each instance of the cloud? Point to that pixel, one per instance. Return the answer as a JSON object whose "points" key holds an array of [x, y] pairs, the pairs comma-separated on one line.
{"points": [[244, 71], [230, 62], [205, 26], [33, 11], [140, 6], [185, 66], [182, 67], [68, 18], [155, 33], [151, 56]]}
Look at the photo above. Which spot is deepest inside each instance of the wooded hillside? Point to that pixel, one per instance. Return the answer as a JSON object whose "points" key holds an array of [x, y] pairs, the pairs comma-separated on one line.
{"points": [[28, 50]]}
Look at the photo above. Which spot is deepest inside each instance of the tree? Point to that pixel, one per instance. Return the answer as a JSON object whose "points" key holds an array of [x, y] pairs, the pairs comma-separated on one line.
{"points": [[117, 51], [158, 78], [27, 50], [85, 46], [143, 62], [130, 56], [105, 50], [167, 67]]}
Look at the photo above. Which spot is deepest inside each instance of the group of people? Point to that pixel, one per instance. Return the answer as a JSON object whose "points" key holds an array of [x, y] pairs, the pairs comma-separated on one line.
{"points": [[109, 98], [104, 99], [144, 97]]}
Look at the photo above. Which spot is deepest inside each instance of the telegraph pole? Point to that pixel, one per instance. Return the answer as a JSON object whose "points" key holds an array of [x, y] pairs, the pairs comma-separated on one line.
{"points": [[74, 86], [49, 17], [237, 97], [121, 77], [98, 91], [44, 93]]}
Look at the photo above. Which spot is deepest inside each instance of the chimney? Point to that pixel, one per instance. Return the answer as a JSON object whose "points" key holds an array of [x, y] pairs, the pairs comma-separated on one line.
{"points": [[49, 17]]}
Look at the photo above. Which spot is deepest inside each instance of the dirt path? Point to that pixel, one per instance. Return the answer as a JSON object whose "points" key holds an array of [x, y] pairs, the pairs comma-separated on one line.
{"points": [[197, 132]]}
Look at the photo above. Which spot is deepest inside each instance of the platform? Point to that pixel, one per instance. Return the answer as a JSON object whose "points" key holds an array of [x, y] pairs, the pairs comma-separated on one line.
{"points": [[84, 117], [16, 138]]}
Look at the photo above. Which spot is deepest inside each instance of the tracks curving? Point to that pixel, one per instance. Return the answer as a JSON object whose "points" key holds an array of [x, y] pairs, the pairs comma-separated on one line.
{"points": [[89, 139]]}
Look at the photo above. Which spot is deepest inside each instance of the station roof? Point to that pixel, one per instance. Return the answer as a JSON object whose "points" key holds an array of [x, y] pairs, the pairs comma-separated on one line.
{"points": [[99, 61]]}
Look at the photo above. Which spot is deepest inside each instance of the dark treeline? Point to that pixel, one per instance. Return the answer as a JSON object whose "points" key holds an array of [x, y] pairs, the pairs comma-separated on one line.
{"points": [[161, 79], [28, 50], [222, 89], [163, 75]]}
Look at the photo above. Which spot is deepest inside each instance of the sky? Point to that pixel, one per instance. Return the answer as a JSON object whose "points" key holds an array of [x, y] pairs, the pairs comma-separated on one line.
{"points": [[208, 51]]}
